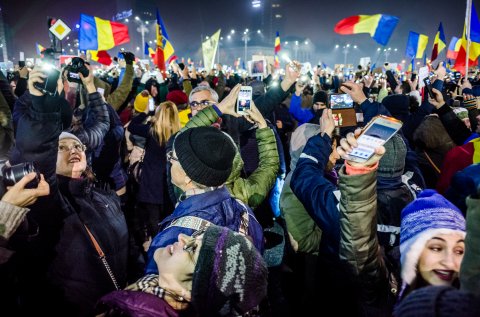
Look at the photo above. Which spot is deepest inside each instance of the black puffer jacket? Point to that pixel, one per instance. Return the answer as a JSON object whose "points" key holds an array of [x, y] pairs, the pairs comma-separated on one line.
{"points": [[61, 272]]}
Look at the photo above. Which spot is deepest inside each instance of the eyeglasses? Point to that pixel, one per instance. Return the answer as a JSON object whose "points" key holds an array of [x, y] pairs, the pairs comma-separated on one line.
{"points": [[192, 245], [170, 157], [203, 103], [66, 148]]}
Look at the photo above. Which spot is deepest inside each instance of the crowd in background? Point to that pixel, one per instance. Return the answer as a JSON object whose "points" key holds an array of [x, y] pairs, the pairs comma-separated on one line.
{"points": [[132, 192]]}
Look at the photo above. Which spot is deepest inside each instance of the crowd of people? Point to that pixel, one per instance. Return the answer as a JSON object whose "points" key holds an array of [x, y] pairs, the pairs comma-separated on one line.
{"points": [[142, 193]]}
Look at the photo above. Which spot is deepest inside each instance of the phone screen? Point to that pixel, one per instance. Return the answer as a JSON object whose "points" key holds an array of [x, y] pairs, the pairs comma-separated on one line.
{"points": [[50, 84], [244, 99], [341, 101], [151, 104], [428, 86], [375, 134]]}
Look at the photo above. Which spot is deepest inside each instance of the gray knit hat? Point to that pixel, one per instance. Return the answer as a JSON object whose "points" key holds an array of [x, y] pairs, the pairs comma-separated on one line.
{"points": [[67, 135], [393, 162], [206, 155], [230, 277]]}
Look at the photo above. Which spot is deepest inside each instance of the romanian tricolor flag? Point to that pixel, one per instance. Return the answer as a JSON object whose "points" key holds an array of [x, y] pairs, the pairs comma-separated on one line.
{"points": [[100, 35], [164, 47], [101, 57], [277, 50], [474, 50], [439, 43], [149, 51], [416, 45], [380, 26], [40, 49], [454, 47]]}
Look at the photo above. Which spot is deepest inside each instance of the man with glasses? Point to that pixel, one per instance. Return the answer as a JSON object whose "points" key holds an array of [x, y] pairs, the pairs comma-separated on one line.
{"points": [[201, 161]]}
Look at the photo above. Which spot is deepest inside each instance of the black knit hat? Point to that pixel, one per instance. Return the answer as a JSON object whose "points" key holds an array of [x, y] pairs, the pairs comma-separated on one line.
{"points": [[205, 154], [230, 277], [320, 96], [438, 301]]}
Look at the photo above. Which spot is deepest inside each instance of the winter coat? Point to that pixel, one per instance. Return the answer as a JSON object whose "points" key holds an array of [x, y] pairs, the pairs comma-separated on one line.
{"points": [[118, 97], [135, 304], [76, 277], [153, 179], [315, 192], [217, 207], [254, 189]]}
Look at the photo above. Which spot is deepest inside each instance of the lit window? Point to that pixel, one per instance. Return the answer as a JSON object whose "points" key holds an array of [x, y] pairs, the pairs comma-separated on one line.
{"points": [[278, 16]]}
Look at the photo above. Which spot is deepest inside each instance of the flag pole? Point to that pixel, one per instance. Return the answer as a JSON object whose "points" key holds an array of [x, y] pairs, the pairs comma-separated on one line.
{"points": [[467, 34]]}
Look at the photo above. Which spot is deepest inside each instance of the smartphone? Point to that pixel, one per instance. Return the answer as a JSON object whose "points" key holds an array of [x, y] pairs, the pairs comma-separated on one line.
{"points": [[21, 64], [457, 75], [244, 99], [340, 101], [49, 86], [413, 77], [151, 104], [428, 86], [377, 132], [181, 65]]}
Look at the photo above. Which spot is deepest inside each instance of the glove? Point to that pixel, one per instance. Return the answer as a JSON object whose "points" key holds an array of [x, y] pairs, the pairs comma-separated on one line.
{"points": [[129, 57]]}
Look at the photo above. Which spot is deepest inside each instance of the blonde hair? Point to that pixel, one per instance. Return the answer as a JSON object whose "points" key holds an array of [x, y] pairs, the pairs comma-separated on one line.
{"points": [[165, 122]]}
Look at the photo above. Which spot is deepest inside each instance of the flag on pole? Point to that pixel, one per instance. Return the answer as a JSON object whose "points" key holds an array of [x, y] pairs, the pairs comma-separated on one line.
{"points": [[277, 50], [474, 50], [149, 51], [416, 45], [411, 66], [209, 49], [439, 43], [101, 57], [454, 47], [39, 49], [165, 51], [380, 26], [99, 35]]}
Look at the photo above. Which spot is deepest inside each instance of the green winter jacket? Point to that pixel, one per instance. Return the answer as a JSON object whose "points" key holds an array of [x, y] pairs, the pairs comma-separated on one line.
{"points": [[359, 243], [299, 223], [118, 97], [470, 268], [254, 189]]}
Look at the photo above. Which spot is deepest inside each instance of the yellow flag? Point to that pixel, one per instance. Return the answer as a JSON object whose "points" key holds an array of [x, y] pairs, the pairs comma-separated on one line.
{"points": [[209, 49]]}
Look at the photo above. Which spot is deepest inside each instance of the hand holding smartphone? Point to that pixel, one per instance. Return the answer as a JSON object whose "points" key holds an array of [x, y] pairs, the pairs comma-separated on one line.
{"points": [[244, 100], [428, 86], [151, 104], [49, 86], [377, 132]]}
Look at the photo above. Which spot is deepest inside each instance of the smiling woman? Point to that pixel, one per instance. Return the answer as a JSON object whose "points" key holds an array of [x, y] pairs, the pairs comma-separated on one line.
{"points": [[227, 277]]}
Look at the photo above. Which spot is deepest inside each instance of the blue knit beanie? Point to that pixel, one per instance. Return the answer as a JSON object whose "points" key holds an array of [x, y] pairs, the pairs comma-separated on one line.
{"points": [[428, 215]]}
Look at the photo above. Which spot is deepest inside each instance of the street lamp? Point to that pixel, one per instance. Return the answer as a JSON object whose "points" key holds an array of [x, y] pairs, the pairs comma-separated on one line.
{"points": [[142, 29], [245, 39], [346, 50]]}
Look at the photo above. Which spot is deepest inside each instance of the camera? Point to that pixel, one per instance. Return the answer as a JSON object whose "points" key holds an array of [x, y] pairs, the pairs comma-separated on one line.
{"points": [[76, 67], [13, 76], [13, 174]]}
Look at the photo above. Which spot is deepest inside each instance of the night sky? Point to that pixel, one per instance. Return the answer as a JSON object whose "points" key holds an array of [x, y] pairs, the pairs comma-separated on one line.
{"points": [[26, 21]]}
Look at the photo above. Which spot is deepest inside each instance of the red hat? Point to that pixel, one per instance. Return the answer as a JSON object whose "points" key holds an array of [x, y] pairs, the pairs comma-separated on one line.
{"points": [[178, 97]]}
